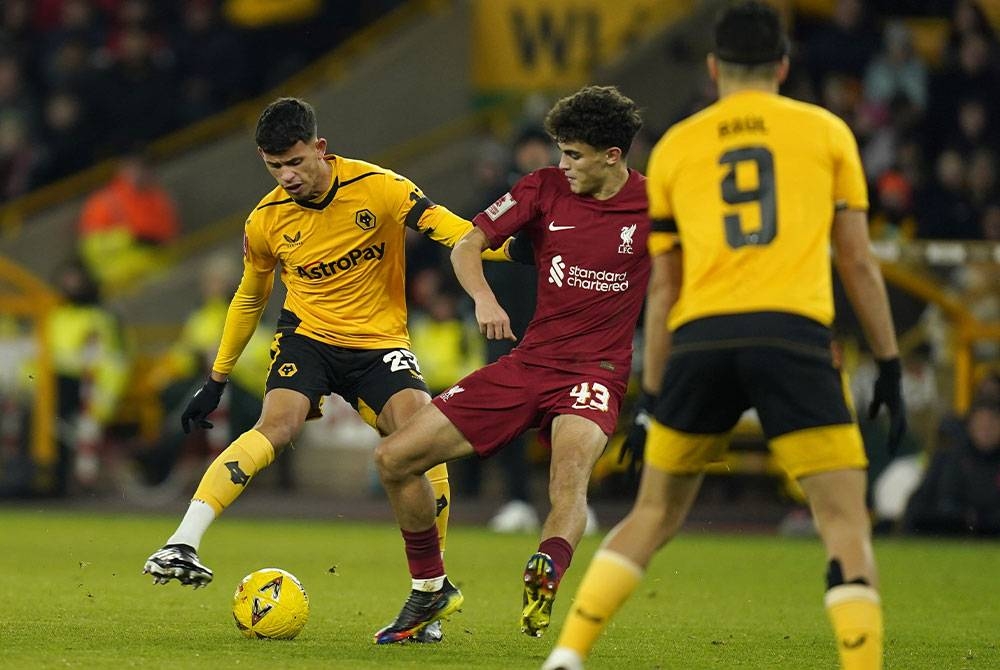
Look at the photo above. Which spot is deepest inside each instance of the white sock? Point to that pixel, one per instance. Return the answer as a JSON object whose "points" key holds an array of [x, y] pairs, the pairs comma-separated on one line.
{"points": [[432, 584], [196, 521], [563, 658]]}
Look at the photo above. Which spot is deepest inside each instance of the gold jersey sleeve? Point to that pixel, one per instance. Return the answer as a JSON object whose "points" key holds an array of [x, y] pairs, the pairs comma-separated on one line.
{"points": [[749, 187], [248, 302], [447, 228], [661, 241]]}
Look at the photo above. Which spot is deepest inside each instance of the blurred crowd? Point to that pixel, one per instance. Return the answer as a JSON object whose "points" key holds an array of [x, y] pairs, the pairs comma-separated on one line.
{"points": [[928, 129], [921, 92], [82, 80]]}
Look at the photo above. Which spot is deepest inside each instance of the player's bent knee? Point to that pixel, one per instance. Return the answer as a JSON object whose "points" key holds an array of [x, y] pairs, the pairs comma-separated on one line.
{"points": [[385, 462], [392, 465], [280, 436]]}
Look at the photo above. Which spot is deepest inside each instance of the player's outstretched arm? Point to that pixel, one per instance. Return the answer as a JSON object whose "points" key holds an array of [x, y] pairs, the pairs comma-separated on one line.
{"points": [[466, 259], [865, 288], [447, 228]]}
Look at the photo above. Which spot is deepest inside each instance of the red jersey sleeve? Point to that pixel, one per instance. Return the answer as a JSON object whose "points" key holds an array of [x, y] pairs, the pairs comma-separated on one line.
{"points": [[512, 211]]}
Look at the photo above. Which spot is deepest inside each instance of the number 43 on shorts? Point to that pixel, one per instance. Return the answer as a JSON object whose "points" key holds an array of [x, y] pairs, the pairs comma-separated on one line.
{"points": [[590, 395]]}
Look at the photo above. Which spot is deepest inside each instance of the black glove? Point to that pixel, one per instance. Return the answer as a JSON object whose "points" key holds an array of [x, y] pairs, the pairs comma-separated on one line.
{"points": [[634, 446], [202, 404], [887, 392]]}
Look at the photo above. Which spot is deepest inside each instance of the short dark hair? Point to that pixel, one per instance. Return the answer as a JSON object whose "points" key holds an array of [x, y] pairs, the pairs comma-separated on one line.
{"points": [[283, 123], [750, 33], [598, 115]]}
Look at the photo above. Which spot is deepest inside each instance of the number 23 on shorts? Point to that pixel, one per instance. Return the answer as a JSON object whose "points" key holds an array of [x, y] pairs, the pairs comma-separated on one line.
{"points": [[401, 359]]}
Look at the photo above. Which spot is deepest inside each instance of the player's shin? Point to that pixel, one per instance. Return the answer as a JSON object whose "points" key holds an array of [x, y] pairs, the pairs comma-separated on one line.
{"points": [[222, 483], [423, 555], [607, 584], [855, 612], [438, 477], [231, 471]]}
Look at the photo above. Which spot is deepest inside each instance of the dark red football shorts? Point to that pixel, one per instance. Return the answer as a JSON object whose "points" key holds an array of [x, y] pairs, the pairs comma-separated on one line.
{"points": [[497, 403]]}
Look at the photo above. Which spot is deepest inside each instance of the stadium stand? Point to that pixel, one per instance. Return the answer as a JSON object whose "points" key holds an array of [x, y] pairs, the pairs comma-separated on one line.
{"points": [[82, 80]]}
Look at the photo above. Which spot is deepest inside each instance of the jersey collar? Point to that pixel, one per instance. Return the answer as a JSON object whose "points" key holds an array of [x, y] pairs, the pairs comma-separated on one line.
{"points": [[328, 198]]}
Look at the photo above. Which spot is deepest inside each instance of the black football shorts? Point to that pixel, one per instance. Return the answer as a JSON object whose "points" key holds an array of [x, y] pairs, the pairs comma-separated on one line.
{"points": [[366, 378]]}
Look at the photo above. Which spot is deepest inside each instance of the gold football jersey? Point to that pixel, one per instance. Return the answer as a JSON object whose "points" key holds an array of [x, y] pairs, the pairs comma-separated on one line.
{"points": [[749, 186], [341, 257]]}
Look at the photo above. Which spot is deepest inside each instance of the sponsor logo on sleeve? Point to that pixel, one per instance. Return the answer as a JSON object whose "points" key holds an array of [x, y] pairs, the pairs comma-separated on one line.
{"points": [[504, 203]]}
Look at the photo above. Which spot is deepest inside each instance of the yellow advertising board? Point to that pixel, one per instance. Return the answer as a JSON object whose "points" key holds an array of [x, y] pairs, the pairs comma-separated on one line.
{"points": [[554, 44]]}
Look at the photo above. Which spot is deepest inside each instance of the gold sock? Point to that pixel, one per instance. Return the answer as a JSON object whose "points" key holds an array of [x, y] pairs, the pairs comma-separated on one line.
{"points": [[608, 582], [438, 476], [229, 473], [855, 612]]}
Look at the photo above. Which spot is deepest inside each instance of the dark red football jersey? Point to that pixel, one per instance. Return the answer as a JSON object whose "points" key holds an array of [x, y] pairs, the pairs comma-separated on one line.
{"points": [[593, 265]]}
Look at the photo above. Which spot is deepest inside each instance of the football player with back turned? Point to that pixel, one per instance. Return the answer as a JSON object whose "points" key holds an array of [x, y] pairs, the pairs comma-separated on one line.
{"points": [[746, 198]]}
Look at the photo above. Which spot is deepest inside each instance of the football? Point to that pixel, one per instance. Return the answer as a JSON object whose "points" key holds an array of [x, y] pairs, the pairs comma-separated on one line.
{"points": [[270, 604]]}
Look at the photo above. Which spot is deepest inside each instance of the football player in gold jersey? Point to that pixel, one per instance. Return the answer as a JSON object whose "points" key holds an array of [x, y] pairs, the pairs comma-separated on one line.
{"points": [[336, 228], [747, 197]]}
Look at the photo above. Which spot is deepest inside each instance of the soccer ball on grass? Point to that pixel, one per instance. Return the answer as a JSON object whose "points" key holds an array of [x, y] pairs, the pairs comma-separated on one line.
{"points": [[270, 604]]}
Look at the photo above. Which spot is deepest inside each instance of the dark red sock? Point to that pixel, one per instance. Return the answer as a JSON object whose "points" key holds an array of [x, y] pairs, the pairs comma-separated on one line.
{"points": [[423, 553], [561, 552]]}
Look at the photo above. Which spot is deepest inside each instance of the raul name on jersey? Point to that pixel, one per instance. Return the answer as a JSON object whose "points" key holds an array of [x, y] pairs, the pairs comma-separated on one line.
{"points": [[742, 124]]}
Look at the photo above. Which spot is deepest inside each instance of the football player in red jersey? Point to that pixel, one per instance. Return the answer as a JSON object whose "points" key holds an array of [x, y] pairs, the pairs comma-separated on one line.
{"points": [[587, 221]]}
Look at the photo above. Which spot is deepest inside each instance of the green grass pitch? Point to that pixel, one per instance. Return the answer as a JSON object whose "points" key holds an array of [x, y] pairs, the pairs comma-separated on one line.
{"points": [[73, 597]]}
